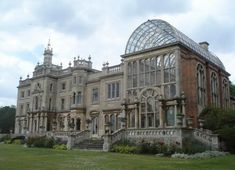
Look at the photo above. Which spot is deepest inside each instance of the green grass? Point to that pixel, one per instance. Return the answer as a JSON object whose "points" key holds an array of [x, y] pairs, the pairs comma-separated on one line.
{"points": [[16, 157]]}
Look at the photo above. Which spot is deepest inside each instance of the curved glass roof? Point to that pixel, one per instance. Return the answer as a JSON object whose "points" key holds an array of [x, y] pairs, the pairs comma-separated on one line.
{"points": [[157, 33]]}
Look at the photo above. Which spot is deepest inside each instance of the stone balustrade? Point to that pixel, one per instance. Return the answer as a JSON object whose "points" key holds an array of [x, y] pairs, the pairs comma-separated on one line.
{"points": [[143, 133], [207, 138], [114, 69]]}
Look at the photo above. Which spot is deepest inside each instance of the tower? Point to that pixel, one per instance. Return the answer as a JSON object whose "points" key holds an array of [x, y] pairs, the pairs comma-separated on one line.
{"points": [[48, 54]]}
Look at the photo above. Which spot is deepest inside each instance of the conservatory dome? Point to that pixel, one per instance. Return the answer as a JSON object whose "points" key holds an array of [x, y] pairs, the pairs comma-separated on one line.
{"points": [[158, 33]]}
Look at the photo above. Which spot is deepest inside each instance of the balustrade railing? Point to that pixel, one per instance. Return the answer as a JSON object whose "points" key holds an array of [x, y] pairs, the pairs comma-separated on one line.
{"points": [[207, 138], [142, 133]]}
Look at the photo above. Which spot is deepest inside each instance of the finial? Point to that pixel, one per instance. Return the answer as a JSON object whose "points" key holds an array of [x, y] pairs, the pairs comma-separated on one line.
{"points": [[28, 76], [89, 58], [107, 63], [104, 64], [49, 43], [70, 64], [20, 78], [61, 64], [78, 57], [74, 58], [38, 63]]}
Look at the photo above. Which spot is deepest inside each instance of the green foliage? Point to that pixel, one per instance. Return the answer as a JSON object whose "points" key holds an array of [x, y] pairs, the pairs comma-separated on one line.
{"points": [[232, 89], [17, 142], [41, 142], [228, 135], [4, 138], [192, 146], [221, 122], [124, 149], [60, 147], [7, 119]]}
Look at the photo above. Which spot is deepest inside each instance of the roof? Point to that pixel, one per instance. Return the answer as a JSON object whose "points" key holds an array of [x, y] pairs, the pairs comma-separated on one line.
{"points": [[157, 33]]}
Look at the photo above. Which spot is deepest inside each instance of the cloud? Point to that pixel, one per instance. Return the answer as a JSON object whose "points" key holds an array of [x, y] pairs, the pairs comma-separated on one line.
{"points": [[101, 29]]}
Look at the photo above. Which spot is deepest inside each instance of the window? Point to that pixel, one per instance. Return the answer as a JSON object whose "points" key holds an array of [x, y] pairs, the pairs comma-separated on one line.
{"points": [[169, 68], [74, 98], [21, 109], [95, 95], [201, 96], [36, 103], [62, 104], [113, 90], [79, 97], [49, 104], [63, 86], [22, 94], [214, 90], [80, 80], [51, 87], [170, 116], [149, 109], [226, 93], [28, 93], [27, 107], [74, 80]]}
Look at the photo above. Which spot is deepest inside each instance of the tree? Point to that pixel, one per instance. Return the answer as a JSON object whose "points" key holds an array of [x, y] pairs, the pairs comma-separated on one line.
{"points": [[222, 122], [7, 119], [232, 89]]}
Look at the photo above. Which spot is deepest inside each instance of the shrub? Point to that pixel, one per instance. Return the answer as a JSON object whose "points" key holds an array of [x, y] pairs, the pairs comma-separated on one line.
{"points": [[41, 142], [4, 138], [228, 135], [17, 142], [124, 148], [60, 147]]}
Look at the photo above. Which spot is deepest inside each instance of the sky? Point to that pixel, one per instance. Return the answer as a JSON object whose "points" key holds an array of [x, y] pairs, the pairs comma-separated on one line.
{"points": [[100, 28]]}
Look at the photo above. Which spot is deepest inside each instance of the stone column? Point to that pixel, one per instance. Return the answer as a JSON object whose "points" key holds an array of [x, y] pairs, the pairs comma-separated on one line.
{"points": [[175, 113], [75, 123], [45, 122], [30, 122], [66, 128], [161, 116], [37, 125], [184, 114], [127, 119], [177, 71], [136, 117]]}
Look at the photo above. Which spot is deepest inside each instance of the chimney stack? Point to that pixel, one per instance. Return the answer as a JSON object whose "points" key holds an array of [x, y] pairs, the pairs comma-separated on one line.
{"points": [[204, 45]]}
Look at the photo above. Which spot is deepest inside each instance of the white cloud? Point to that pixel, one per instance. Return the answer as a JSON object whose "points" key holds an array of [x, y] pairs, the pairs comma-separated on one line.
{"points": [[102, 29]]}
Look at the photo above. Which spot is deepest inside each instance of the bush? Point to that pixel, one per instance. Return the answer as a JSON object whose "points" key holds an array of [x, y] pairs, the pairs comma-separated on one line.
{"points": [[124, 148], [4, 138], [41, 142], [228, 135], [17, 142], [60, 147]]}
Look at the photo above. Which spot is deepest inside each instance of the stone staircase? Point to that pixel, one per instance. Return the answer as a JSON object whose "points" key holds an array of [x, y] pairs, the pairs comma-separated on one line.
{"points": [[92, 144]]}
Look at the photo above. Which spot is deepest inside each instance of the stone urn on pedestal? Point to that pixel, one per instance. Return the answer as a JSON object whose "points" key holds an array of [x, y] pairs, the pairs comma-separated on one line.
{"points": [[190, 122], [201, 123]]}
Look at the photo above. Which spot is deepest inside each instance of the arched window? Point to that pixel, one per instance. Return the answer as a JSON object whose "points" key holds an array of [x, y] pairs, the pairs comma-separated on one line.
{"points": [[149, 109], [169, 68], [226, 93], [214, 90], [201, 96]]}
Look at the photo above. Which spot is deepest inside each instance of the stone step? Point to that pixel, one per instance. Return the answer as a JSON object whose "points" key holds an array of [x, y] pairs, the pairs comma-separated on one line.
{"points": [[96, 144]]}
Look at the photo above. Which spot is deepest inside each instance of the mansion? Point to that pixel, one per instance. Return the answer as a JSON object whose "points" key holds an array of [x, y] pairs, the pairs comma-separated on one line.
{"points": [[163, 82]]}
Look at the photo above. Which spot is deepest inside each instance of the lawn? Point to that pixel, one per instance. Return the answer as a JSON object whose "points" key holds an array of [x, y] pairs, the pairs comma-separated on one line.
{"points": [[16, 157]]}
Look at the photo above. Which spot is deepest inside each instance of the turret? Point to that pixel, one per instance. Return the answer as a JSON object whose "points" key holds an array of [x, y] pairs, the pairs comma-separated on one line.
{"points": [[48, 54]]}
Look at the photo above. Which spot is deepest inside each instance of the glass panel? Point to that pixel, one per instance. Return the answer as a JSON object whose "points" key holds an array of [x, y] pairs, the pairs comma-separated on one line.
{"points": [[150, 104], [143, 120], [150, 119], [170, 116]]}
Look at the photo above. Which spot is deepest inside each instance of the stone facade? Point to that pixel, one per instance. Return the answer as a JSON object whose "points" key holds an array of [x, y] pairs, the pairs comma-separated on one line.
{"points": [[164, 81]]}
